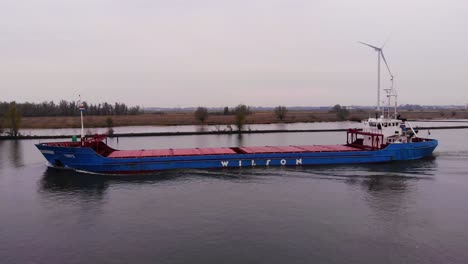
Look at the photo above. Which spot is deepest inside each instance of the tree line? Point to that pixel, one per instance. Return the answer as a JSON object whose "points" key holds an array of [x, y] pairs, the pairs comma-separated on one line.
{"points": [[69, 108], [240, 113]]}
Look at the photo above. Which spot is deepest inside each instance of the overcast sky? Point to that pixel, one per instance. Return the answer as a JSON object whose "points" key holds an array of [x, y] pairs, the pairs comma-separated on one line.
{"points": [[215, 53]]}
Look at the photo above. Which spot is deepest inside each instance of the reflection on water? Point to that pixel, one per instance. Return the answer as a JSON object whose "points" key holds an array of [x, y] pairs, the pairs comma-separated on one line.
{"points": [[416, 169], [16, 153], [240, 140], [387, 187], [2, 155], [66, 182], [201, 128], [386, 177], [390, 189]]}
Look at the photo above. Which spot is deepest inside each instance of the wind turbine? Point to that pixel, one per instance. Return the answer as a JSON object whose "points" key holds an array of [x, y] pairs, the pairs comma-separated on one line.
{"points": [[379, 54]]}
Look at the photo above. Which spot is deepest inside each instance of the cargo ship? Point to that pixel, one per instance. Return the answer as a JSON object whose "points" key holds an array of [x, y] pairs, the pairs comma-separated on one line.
{"points": [[384, 138], [93, 155]]}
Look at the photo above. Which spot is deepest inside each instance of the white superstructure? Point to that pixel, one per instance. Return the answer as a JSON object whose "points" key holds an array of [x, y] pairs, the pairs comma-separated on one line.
{"points": [[389, 127]]}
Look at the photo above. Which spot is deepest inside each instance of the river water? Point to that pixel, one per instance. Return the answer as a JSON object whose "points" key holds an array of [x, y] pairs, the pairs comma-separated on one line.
{"points": [[402, 212], [190, 128]]}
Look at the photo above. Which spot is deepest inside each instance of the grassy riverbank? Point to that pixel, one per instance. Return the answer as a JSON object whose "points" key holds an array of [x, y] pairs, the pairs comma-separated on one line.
{"points": [[187, 118]]}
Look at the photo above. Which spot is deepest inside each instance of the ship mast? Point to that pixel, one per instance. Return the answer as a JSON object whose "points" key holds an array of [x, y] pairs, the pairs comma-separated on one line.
{"points": [[391, 92], [82, 109]]}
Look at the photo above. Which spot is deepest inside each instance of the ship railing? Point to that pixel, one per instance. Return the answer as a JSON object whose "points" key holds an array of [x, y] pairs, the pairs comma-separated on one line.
{"points": [[377, 139], [371, 130]]}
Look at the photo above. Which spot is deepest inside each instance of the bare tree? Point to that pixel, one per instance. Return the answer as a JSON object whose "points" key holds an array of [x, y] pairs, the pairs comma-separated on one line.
{"points": [[13, 118], [280, 112], [110, 126], [341, 112], [201, 114], [240, 113]]}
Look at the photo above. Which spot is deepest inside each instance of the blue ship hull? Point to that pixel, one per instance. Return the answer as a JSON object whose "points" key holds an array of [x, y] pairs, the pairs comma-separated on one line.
{"points": [[87, 159]]}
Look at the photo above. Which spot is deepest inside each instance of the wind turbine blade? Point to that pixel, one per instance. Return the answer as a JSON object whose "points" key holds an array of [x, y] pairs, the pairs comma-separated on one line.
{"points": [[369, 45], [386, 64], [385, 43]]}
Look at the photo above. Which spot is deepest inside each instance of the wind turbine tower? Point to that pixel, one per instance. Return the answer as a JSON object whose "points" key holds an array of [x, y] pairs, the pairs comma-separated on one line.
{"points": [[379, 54]]}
